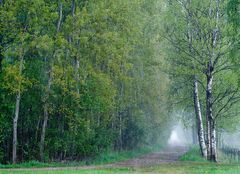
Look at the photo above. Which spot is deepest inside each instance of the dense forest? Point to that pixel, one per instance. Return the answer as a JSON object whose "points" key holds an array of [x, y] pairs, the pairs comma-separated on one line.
{"points": [[80, 77]]}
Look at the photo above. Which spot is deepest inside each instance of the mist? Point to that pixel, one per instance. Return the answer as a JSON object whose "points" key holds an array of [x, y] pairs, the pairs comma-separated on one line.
{"points": [[230, 139], [180, 136]]}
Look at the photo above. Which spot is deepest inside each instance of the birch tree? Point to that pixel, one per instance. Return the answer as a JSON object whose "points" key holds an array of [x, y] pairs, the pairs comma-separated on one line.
{"points": [[49, 75], [208, 57]]}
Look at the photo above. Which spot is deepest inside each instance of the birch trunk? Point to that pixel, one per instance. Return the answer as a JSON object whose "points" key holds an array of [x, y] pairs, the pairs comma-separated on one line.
{"points": [[213, 141], [198, 112], [120, 114], [47, 93], [210, 118], [209, 97], [16, 115], [45, 119], [120, 132], [197, 106], [207, 135], [15, 124], [77, 66], [76, 61]]}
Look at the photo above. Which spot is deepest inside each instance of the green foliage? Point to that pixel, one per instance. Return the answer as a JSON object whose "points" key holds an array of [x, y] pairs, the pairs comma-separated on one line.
{"points": [[92, 66], [13, 80]]}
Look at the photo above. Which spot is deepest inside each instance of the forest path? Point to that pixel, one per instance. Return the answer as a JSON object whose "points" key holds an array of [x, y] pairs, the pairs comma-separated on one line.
{"points": [[167, 156]]}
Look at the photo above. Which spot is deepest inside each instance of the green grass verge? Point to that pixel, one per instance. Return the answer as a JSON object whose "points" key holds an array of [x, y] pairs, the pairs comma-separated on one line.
{"points": [[179, 168], [193, 155], [104, 158], [109, 157]]}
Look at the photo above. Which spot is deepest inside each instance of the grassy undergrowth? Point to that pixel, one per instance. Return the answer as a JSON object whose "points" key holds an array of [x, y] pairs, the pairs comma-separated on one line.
{"points": [[193, 155], [103, 158], [109, 157]]}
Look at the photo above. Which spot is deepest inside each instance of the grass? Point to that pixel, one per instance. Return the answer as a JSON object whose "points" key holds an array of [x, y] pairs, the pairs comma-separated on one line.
{"points": [[37, 164], [109, 157], [193, 155], [180, 168], [104, 158]]}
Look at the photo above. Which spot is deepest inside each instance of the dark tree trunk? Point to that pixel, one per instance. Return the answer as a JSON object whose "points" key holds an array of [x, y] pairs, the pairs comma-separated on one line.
{"points": [[43, 133], [1, 59]]}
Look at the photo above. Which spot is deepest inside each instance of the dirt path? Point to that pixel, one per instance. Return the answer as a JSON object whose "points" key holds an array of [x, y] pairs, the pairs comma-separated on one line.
{"points": [[167, 156]]}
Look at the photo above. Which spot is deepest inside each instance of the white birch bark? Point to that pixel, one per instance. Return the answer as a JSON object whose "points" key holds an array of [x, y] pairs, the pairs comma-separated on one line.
{"points": [[198, 112], [16, 115], [197, 106], [209, 98]]}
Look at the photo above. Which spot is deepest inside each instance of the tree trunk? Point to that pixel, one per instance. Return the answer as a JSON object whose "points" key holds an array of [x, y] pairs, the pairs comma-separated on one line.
{"points": [[76, 67], [37, 129], [207, 136], [45, 119], [120, 132], [213, 141], [47, 93], [212, 144], [210, 119], [73, 7], [1, 59], [60, 16], [200, 129], [209, 112], [15, 120], [15, 123], [120, 114], [76, 61], [198, 112]]}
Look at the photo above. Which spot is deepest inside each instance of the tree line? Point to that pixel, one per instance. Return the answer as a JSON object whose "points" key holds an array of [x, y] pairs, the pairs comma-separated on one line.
{"points": [[79, 77]]}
